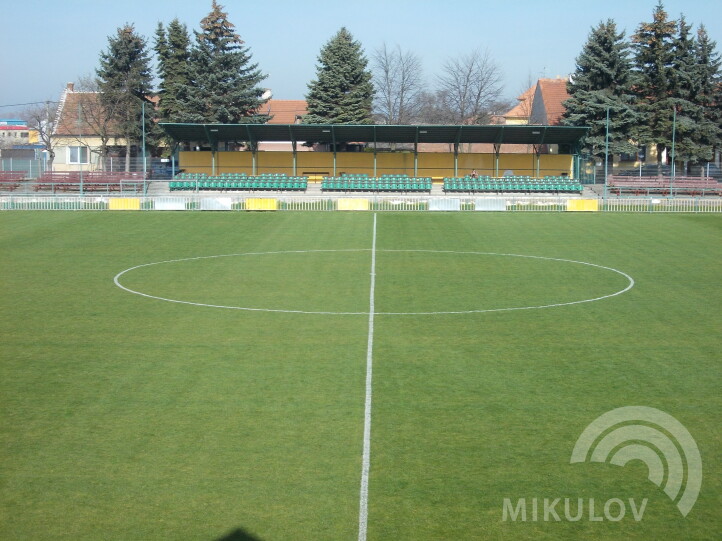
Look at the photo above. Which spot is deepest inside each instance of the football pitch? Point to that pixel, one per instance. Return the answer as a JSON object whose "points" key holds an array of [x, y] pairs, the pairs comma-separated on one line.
{"points": [[307, 376]]}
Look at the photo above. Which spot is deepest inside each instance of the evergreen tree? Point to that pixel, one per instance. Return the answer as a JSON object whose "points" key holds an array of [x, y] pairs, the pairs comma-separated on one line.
{"points": [[173, 51], [710, 87], [124, 80], [342, 92], [693, 129], [654, 55], [224, 83], [602, 81]]}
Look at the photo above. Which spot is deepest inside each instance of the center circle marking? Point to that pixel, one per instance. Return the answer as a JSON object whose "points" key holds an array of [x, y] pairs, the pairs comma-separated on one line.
{"points": [[630, 283]]}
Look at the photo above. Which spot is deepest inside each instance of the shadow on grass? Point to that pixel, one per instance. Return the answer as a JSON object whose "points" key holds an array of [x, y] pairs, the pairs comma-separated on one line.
{"points": [[238, 535]]}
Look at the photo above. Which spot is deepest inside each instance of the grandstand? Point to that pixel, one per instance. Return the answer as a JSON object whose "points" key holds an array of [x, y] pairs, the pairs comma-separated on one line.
{"points": [[237, 182], [10, 180], [664, 185], [91, 181], [555, 150], [384, 183], [512, 184]]}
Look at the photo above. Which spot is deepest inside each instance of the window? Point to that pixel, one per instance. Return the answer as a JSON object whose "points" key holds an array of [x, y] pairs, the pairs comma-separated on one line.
{"points": [[78, 155]]}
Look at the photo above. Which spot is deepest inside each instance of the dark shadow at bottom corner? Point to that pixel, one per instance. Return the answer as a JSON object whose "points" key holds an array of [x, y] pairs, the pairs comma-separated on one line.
{"points": [[239, 534]]}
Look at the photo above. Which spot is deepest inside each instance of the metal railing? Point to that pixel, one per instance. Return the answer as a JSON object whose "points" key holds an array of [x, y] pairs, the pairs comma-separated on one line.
{"points": [[390, 203]]}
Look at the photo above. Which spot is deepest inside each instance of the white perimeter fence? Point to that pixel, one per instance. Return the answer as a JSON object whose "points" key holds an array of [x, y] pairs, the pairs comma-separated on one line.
{"points": [[379, 203]]}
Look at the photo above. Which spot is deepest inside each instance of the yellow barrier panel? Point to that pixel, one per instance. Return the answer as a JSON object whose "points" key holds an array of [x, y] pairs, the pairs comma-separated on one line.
{"points": [[262, 204], [353, 204], [583, 205], [123, 203]]}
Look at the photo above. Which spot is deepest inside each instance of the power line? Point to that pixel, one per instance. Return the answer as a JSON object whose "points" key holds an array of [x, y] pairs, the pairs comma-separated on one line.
{"points": [[30, 103]]}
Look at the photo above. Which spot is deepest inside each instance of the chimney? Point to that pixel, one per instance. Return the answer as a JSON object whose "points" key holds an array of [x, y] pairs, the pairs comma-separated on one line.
{"points": [[71, 87]]}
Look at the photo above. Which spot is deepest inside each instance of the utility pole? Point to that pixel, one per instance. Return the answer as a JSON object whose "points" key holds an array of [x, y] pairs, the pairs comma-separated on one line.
{"points": [[80, 144], [606, 156], [143, 127], [674, 136]]}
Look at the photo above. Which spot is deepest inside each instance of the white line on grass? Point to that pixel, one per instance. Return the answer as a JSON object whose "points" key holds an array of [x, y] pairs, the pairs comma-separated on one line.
{"points": [[629, 286], [366, 459]]}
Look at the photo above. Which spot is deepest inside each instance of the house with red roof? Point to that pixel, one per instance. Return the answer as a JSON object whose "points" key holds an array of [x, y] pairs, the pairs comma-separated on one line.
{"points": [[547, 105], [541, 104], [283, 112], [13, 134], [81, 131]]}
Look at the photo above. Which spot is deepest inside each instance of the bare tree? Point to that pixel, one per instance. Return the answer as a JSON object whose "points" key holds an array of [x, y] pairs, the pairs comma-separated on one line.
{"points": [[95, 117], [525, 100], [397, 77], [43, 118], [470, 85], [434, 108]]}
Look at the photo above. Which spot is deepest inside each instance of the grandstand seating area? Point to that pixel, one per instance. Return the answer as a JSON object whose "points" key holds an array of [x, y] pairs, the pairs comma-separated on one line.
{"points": [[511, 184], [238, 181], [384, 183], [665, 185], [10, 180], [92, 181]]}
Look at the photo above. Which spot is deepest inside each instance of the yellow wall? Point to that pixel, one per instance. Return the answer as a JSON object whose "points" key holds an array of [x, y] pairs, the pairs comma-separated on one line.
{"points": [[436, 164]]}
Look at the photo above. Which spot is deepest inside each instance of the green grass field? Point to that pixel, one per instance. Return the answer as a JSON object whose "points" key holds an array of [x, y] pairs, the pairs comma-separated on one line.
{"points": [[129, 417]]}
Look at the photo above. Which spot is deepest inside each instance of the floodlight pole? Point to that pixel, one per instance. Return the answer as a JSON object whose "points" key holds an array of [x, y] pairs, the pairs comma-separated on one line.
{"points": [[143, 127], [606, 156], [80, 145], [674, 136]]}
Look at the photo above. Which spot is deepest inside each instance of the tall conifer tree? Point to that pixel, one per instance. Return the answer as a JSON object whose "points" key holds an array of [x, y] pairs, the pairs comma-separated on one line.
{"points": [[693, 128], [124, 80], [342, 92], [602, 81], [172, 47], [225, 84], [653, 59], [708, 65]]}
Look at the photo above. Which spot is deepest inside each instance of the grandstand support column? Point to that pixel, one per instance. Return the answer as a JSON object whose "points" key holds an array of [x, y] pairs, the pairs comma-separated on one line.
{"points": [[456, 159], [375, 145], [173, 154], [576, 165], [252, 146], [333, 141], [497, 151], [537, 160], [293, 146], [416, 159]]}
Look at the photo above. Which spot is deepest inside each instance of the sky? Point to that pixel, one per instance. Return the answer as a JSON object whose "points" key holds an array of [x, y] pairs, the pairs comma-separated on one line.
{"points": [[46, 44]]}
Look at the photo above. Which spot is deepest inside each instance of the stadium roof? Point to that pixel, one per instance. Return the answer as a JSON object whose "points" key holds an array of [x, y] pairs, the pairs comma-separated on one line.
{"points": [[370, 133]]}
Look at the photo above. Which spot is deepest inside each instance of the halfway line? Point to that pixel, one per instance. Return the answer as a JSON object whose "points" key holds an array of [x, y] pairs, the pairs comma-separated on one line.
{"points": [[366, 459]]}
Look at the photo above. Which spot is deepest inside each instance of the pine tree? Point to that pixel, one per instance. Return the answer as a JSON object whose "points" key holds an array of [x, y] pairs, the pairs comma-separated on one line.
{"points": [[124, 80], [654, 55], [342, 92], [224, 86], [602, 81], [693, 129], [708, 65], [172, 48]]}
